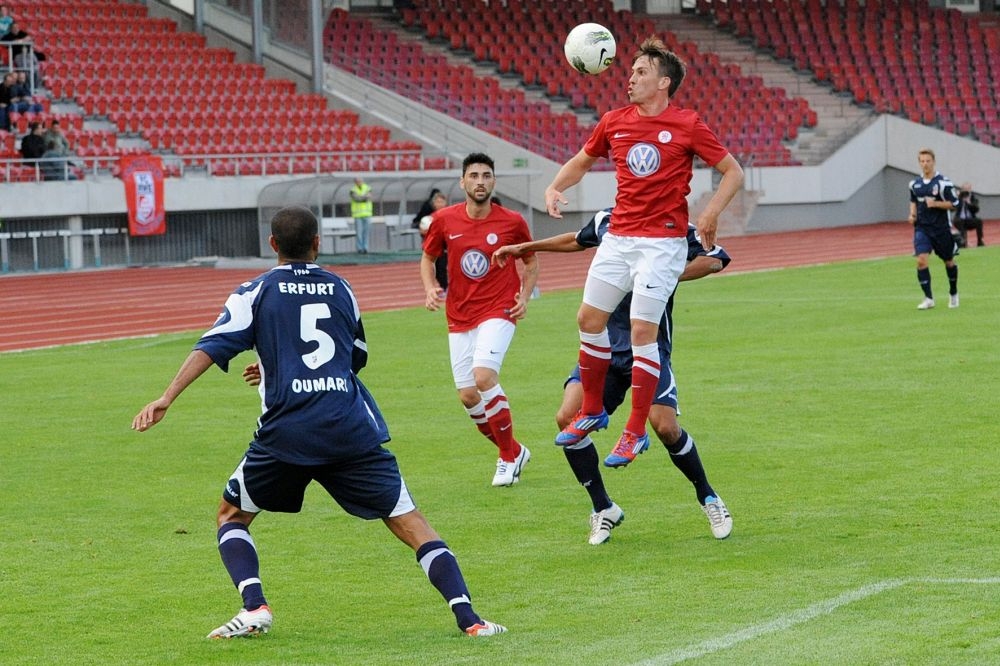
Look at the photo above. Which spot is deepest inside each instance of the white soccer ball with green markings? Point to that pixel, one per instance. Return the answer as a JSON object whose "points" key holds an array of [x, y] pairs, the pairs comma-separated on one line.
{"points": [[590, 48]]}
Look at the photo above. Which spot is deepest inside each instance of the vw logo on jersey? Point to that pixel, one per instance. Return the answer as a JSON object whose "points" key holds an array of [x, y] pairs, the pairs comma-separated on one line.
{"points": [[475, 264], [643, 159]]}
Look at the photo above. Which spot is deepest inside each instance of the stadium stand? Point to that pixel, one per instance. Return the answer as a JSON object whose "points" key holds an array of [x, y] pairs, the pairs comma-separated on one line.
{"points": [[355, 44], [178, 97], [877, 52], [757, 135]]}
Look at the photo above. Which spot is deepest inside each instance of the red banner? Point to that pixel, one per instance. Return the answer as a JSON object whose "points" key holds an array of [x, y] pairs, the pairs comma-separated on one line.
{"points": [[143, 178]]}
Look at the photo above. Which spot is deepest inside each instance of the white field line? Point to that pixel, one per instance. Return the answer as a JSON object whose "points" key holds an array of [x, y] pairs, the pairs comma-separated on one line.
{"points": [[800, 616]]}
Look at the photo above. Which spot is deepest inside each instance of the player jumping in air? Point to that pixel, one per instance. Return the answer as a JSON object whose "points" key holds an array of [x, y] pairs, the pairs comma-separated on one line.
{"points": [[582, 456], [652, 144]]}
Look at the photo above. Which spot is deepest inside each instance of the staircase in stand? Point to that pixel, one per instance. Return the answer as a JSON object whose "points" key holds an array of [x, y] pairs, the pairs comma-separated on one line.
{"points": [[838, 117]]}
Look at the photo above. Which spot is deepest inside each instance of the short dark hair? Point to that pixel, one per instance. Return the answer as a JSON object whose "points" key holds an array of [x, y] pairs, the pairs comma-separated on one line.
{"points": [[477, 158], [667, 62], [294, 228]]}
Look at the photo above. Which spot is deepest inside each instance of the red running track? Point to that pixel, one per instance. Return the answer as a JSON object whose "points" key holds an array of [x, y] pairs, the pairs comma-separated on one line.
{"points": [[41, 310]]}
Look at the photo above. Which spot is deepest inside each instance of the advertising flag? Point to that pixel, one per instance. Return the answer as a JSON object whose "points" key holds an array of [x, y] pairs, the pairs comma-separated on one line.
{"points": [[143, 177]]}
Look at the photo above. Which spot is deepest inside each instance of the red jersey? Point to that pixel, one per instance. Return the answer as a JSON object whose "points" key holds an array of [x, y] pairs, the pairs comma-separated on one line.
{"points": [[653, 157], [477, 291]]}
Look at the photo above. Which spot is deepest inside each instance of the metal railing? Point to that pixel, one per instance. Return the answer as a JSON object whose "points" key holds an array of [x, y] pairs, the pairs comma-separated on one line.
{"points": [[229, 164]]}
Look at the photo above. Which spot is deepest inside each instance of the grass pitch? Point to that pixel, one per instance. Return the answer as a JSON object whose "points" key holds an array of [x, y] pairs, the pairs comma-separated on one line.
{"points": [[851, 436]]}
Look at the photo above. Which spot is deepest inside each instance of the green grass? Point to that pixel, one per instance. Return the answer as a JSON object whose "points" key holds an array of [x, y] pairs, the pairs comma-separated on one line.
{"points": [[851, 436]]}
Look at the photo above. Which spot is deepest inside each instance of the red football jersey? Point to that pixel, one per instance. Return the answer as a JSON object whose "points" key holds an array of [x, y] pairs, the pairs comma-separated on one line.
{"points": [[653, 157], [477, 291]]}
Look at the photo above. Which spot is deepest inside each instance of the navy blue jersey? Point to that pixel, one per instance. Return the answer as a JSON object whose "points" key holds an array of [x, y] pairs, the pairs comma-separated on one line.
{"points": [[619, 324], [305, 325], [937, 188]]}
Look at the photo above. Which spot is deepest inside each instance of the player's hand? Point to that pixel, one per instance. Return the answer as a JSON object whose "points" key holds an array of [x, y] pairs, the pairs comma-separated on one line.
{"points": [[708, 227], [150, 415], [433, 298], [520, 308], [553, 199], [251, 374], [502, 253]]}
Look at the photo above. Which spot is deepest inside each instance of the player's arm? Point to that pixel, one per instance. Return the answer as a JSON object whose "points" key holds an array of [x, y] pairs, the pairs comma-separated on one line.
{"points": [[571, 173], [194, 366], [731, 183], [562, 243], [701, 266], [432, 290], [529, 278], [948, 201]]}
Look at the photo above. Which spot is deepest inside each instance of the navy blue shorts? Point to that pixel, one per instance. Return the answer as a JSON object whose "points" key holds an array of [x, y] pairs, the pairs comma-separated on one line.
{"points": [[936, 239], [368, 487], [619, 380]]}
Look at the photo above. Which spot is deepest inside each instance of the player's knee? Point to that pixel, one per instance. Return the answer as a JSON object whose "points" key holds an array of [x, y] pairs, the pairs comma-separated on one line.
{"points": [[666, 427], [485, 378], [563, 417], [231, 514]]}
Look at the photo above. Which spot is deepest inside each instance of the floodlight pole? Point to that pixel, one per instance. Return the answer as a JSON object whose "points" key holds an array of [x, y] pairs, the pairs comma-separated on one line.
{"points": [[199, 16], [257, 26], [316, 26]]}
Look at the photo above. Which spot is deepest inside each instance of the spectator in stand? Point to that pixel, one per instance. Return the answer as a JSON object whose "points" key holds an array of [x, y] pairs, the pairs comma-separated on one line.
{"points": [[23, 94], [6, 20], [33, 143], [7, 88], [54, 164], [55, 136], [23, 51], [435, 202]]}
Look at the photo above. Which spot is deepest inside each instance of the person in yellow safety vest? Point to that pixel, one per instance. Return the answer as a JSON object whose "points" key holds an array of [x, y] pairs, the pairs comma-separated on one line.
{"points": [[361, 211]]}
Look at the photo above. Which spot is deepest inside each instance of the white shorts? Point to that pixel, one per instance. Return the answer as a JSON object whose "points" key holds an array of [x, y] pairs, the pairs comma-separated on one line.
{"points": [[648, 267], [483, 347]]}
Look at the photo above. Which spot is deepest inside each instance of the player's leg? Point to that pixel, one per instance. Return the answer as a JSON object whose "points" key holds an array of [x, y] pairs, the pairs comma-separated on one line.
{"points": [[442, 570], [582, 456], [259, 482], [921, 250], [684, 455], [372, 487], [658, 264], [608, 282], [945, 248], [239, 556], [600, 299], [492, 341], [461, 347], [951, 269]]}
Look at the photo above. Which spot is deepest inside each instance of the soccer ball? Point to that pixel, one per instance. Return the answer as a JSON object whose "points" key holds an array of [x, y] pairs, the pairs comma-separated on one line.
{"points": [[425, 223], [590, 48]]}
